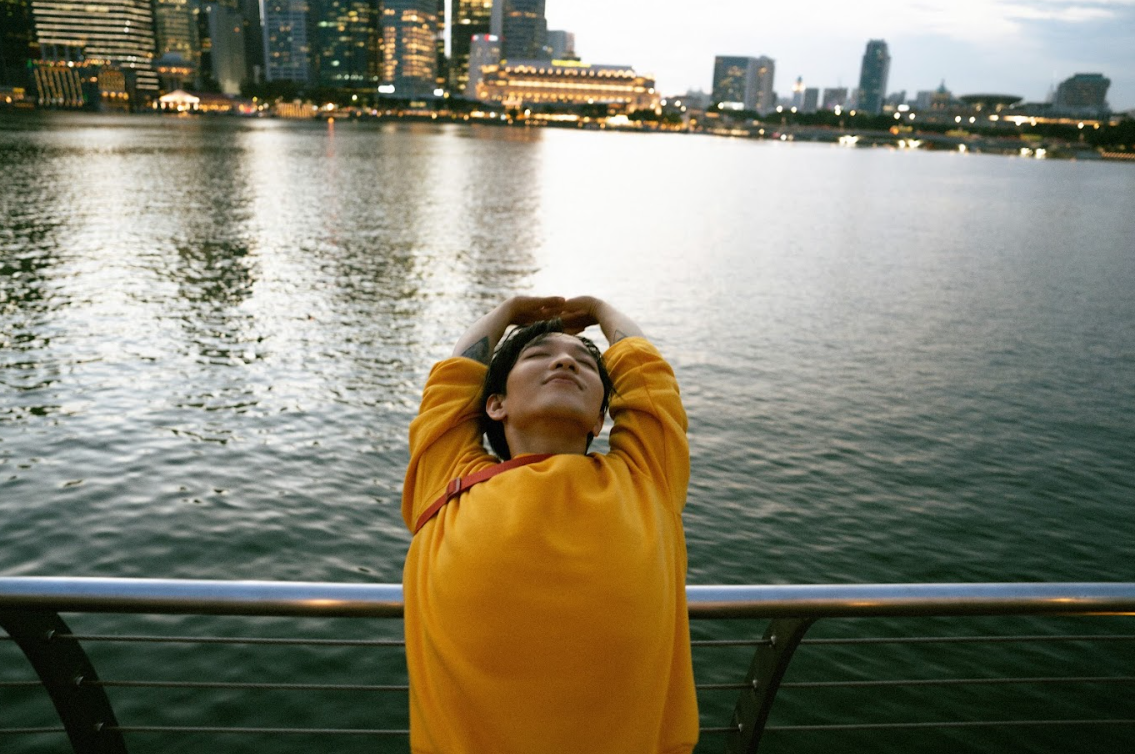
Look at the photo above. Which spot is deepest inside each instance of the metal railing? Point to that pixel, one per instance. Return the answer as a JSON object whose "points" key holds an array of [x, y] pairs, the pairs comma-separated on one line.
{"points": [[30, 610]]}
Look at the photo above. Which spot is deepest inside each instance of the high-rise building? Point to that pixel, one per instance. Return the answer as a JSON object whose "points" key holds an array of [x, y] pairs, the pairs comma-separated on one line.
{"points": [[798, 94], [467, 19], [345, 49], [175, 32], [221, 33], [834, 97], [873, 76], [114, 34], [735, 83], [766, 95], [287, 49], [811, 100], [484, 52], [561, 45], [741, 83], [524, 30], [1082, 94], [17, 43], [410, 30]]}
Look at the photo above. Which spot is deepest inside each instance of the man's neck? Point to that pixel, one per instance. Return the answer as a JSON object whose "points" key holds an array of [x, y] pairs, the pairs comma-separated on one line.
{"points": [[552, 442]]}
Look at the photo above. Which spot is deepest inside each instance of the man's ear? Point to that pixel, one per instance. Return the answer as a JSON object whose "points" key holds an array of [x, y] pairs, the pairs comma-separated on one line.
{"points": [[598, 424], [494, 407]]}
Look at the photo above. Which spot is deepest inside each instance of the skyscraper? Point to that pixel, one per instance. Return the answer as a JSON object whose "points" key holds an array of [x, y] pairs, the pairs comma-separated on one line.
{"points": [[345, 49], [484, 52], [467, 19], [221, 31], [873, 76], [811, 99], [798, 93], [287, 50], [741, 83], [17, 43], [409, 47], [766, 73], [524, 30], [114, 34], [1082, 94], [735, 83]]}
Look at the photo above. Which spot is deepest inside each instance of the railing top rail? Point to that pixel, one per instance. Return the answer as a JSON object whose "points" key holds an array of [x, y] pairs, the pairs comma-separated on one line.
{"points": [[298, 598]]}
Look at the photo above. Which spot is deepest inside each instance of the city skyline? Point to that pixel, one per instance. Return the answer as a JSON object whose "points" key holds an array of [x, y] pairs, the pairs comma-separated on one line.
{"points": [[1021, 47]]}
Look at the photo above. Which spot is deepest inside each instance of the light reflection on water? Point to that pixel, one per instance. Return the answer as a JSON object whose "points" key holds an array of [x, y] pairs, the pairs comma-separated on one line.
{"points": [[898, 366]]}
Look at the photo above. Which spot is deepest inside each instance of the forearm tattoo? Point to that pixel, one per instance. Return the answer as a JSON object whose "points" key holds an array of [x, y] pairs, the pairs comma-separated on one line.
{"points": [[619, 335], [479, 351]]}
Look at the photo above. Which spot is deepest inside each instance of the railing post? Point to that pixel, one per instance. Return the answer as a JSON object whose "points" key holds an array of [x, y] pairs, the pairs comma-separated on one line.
{"points": [[765, 673], [66, 673]]}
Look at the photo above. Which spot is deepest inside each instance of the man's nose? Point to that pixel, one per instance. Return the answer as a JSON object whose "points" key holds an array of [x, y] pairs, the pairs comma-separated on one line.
{"points": [[565, 361]]}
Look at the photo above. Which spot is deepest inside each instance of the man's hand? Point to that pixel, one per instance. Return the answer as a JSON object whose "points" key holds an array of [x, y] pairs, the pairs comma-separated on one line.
{"points": [[583, 311], [479, 340]]}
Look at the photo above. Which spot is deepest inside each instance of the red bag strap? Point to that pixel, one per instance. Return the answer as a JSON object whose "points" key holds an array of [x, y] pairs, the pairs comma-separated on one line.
{"points": [[460, 484]]}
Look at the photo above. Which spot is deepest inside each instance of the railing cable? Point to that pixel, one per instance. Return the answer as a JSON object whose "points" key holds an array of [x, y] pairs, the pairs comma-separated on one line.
{"points": [[233, 640]]}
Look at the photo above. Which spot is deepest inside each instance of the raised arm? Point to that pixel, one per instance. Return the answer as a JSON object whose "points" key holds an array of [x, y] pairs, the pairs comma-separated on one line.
{"points": [[582, 311], [482, 337]]}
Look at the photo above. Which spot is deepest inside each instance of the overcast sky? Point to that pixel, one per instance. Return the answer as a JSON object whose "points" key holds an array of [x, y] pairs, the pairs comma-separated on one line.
{"points": [[1019, 47]]}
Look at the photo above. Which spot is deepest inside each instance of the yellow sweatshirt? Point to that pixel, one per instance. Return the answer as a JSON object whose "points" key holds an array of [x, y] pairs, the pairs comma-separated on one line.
{"points": [[546, 607]]}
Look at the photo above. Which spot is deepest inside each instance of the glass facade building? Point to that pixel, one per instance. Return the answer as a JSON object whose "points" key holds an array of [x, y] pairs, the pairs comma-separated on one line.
{"points": [[484, 52], [345, 41], [741, 83], [112, 34], [467, 18], [873, 77], [17, 43], [524, 30], [287, 50], [410, 32]]}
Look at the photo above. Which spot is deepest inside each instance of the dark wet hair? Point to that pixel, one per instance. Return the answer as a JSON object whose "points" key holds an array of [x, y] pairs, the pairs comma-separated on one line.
{"points": [[504, 359]]}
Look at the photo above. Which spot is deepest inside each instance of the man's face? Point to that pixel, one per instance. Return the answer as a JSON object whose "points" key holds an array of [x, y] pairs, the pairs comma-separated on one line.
{"points": [[554, 383]]}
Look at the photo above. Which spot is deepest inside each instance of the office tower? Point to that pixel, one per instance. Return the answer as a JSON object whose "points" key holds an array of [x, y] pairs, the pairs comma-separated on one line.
{"points": [[175, 32], [287, 50], [834, 97], [873, 76], [1082, 94], [484, 52], [922, 99], [766, 97], [798, 94], [811, 100], [561, 45], [468, 18], [253, 40], [220, 29], [345, 49], [17, 43], [441, 74], [735, 83], [409, 47], [523, 30], [114, 34]]}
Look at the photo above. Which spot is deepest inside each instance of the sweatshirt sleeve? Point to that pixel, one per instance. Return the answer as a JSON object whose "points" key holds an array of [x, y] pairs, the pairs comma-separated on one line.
{"points": [[445, 437], [649, 430]]}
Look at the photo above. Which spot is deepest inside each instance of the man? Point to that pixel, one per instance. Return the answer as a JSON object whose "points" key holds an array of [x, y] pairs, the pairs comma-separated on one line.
{"points": [[545, 605]]}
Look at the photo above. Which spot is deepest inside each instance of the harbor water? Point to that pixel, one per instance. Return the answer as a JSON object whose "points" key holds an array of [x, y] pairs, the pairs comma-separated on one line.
{"points": [[899, 366]]}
